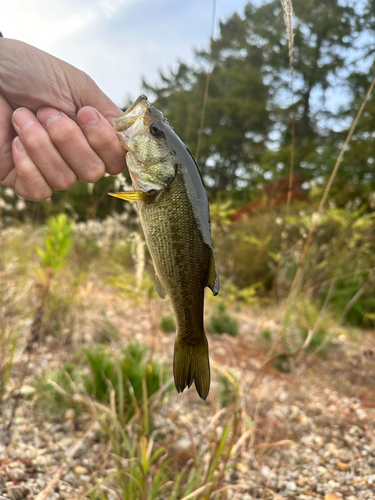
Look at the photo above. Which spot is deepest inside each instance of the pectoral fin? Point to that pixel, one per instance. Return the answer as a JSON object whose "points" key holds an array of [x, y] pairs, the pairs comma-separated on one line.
{"points": [[159, 287], [213, 275], [133, 196]]}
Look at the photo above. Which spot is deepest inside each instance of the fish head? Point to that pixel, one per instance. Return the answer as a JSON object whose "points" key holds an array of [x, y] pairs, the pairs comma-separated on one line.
{"points": [[143, 132]]}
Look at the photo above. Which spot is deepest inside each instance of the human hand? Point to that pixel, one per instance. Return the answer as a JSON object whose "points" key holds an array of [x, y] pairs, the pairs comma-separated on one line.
{"points": [[54, 124]]}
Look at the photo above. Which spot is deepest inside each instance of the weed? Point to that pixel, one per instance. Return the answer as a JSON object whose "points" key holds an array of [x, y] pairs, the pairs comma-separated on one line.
{"points": [[266, 335], [146, 470], [222, 322], [124, 374], [58, 243], [107, 332], [227, 391], [8, 345], [167, 324], [283, 363], [55, 402], [320, 342]]}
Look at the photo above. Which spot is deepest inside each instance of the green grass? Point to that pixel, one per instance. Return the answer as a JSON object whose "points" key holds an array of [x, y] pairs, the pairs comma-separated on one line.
{"points": [[222, 322], [167, 324]]}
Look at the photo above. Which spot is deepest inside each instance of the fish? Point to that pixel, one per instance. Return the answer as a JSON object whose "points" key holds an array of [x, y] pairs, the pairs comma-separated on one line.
{"points": [[174, 213]]}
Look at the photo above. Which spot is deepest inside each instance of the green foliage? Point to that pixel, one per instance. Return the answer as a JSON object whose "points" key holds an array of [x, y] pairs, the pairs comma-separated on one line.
{"points": [[320, 343], [265, 337], [246, 138], [130, 287], [227, 391], [255, 240], [222, 322], [55, 401], [258, 258], [167, 324], [125, 375], [144, 468], [58, 315], [282, 363], [58, 242], [107, 332], [8, 345], [354, 299], [339, 266], [153, 471], [130, 375]]}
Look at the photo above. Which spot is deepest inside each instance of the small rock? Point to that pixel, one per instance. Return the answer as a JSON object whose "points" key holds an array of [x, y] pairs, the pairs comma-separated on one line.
{"points": [[183, 444], [18, 473], [331, 496], [69, 478], [70, 414], [80, 451], [333, 484], [79, 469], [17, 492], [290, 485], [322, 470], [319, 441], [27, 391], [39, 442], [265, 471], [343, 466]]}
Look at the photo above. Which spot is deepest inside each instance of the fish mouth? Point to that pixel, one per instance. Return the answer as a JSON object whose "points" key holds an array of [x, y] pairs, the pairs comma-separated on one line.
{"points": [[135, 111], [122, 124]]}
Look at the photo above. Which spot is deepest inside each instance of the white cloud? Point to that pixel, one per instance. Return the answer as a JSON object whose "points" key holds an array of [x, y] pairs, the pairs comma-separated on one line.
{"points": [[115, 41]]}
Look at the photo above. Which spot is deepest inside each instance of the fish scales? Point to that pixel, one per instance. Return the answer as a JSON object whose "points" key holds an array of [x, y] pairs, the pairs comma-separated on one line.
{"points": [[174, 213], [180, 256]]}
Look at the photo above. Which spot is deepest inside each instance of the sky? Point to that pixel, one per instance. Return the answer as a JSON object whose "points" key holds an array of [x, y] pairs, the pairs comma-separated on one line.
{"points": [[117, 42]]}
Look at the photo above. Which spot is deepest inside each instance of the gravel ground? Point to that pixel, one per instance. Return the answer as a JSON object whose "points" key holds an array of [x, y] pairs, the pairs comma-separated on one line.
{"points": [[314, 433]]}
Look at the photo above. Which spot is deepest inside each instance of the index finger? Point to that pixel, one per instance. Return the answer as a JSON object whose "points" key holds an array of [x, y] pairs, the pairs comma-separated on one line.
{"points": [[102, 138], [7, 133]]}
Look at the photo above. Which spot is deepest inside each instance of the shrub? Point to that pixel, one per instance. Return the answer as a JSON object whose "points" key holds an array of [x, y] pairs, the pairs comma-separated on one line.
{"points": [[222, 322], [126, 375], [58, 242], [53, 401], [167, 324]]}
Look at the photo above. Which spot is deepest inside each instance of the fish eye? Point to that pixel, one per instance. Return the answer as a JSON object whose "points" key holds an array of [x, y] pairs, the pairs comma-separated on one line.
{"points": [[156, 130]]}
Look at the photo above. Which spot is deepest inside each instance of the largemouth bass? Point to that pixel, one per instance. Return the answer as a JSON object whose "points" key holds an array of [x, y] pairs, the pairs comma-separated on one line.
{"points": [[174, 214]]}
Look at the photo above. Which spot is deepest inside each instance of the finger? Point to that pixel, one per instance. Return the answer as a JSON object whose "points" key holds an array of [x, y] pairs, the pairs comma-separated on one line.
{"points": [[72, 144], [29, 182], [7, 133], [41, 150], [102, 138]]}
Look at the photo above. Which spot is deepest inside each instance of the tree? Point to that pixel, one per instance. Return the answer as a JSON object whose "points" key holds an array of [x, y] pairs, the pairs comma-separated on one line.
{"points": [[236, 122], [246, 138]]}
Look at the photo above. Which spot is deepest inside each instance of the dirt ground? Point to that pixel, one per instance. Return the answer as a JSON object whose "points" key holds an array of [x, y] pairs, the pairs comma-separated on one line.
{"points": [[313, 423]]}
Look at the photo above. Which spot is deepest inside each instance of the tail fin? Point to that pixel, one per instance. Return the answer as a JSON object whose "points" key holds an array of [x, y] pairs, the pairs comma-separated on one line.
{"points": [[191, 364]]}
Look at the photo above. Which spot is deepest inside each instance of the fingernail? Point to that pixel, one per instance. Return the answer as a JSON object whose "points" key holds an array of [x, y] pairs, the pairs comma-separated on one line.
{"points": [[88, 117], [48, 115], [23, 118], [19, 145]]}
